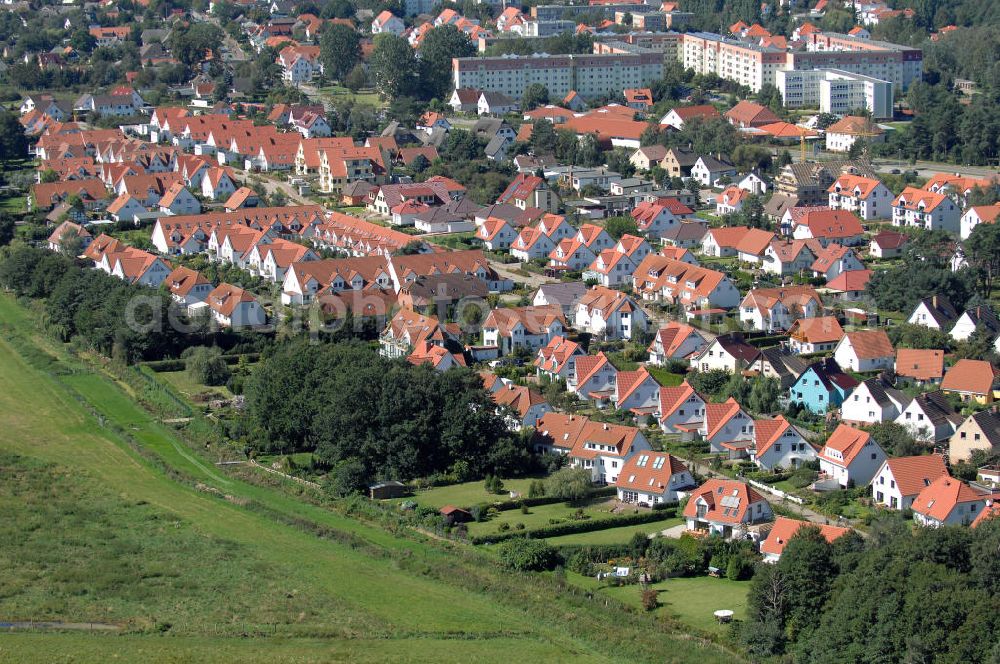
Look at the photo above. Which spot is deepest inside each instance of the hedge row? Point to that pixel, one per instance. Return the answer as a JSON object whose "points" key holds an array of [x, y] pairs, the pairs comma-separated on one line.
{"points": [[574, 527], [160, 366]]}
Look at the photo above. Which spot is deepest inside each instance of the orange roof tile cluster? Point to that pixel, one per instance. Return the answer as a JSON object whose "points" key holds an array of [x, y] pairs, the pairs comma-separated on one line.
{"points": [[970, 377], [727, 501], [784, 529], [938, 500], [870, 344], [920, 364], [649, 472], [913, 473], [818, 330], [848, 442]]}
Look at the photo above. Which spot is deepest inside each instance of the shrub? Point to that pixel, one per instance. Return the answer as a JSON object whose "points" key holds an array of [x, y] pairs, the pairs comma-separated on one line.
{"points": [[494, 484], [528, 555], [206, 365], [536, 489], [650, 599], [503, 526]]}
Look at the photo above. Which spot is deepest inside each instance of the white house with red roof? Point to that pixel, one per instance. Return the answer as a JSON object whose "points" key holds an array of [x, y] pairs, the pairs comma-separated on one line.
{"points": [[784, 529], [137, 267], [637, 392], [611, 268], [731, 200], [523, 327], [777, 443], [609, 314], [67, 230], [650, 478], [187, 286], [682, 410], [726, 508], [677, 117], [950, 502], [496, 234], [388, 22], [900, 479], [530, 191], [978, 214], [531, 244], [604, 449], [919, 208], [126, 208], [829, 226], [527, 406], [231, 306], [675, 341], [595, 238], [217, 184], [814, 335], [438, 357], [179, 201], [555, 227], [728, 428], [594, 379], [866, 197], [865, 350], [833, 260], [654, 218], [850, 457], [558, 358], [786, 257]]}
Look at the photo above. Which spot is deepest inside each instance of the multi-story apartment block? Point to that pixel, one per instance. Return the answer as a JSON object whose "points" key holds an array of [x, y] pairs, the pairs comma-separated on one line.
{"points": [[590, 75], [747, 64], [834, 91]]}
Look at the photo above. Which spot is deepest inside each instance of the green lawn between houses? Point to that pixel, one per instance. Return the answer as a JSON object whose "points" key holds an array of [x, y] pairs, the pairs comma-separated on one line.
{"points": [[321, 598], [693, 600]]}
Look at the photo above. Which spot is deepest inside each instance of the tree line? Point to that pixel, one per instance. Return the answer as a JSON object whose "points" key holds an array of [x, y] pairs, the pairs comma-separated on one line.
{"points": [[930, 595]]}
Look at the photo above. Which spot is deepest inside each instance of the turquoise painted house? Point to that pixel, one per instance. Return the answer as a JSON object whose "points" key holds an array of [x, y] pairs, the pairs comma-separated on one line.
{"points": [[822, 385]]}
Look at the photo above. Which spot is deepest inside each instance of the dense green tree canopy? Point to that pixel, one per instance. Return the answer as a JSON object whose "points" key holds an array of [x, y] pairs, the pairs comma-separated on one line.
{"points": [[348, 404]]}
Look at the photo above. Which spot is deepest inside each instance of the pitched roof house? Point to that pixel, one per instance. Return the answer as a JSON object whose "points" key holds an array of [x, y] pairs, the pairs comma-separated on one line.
{"points": [[947, 502], [865, 350], [850, 456], [930, 418], [653, 477], [675, 341], [784, 529], [972, 380], [777, 443], [922, 366], [898, 482], [980, 431], [725, 507]]}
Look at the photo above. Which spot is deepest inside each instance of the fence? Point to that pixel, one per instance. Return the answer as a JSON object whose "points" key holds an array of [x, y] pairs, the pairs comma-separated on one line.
{"points": [[777, 492]]}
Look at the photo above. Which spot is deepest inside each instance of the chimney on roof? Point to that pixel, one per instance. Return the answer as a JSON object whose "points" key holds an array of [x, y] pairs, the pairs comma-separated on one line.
{"points": [[606, 427]]}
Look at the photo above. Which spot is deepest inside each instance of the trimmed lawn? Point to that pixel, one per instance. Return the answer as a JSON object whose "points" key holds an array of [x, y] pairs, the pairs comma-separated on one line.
{"points": [[467, 494], [693, 600], [620, 535], [362, 96], [183, 383], [14, 205], [664, 377]]}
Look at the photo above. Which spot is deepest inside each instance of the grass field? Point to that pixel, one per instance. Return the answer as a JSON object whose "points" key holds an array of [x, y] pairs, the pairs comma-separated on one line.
{"points": [[664, 377], [14, 205], [362, 96], [371, 595], [183, 383], [620, 535], [693, 601], [467, 494]]}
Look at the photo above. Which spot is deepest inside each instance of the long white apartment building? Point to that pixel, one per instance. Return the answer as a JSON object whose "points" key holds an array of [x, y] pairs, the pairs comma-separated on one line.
{"points": [[848, 69], [902, 65], [589, 74], [747, 64], [834, 91], [754, 66]]}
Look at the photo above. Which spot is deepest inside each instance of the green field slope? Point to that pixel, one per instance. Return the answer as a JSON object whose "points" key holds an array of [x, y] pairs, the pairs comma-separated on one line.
{"points": [[106, 516]]}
